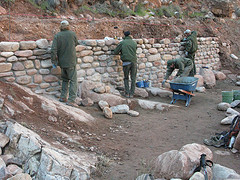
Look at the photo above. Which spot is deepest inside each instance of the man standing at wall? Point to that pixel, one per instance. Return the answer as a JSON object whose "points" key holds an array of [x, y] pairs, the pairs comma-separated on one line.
{"points": [[127, 49], [191, 46], [63, 53]]}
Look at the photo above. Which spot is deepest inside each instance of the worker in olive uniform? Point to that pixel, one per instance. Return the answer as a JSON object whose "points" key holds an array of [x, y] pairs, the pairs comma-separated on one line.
{"points": [[184, 66], [63, 53], [127, 49], [191, 46]]}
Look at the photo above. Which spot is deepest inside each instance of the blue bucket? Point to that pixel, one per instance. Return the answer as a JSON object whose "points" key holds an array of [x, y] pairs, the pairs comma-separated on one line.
{"points": [[146, 83], [140, 84]]}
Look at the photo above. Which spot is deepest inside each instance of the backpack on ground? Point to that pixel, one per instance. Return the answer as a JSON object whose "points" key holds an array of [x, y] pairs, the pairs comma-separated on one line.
{"points": [[234, 130], [224, 138]]}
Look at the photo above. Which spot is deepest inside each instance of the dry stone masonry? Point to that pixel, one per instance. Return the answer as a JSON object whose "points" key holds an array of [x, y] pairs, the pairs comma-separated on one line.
{"points": [[28, 63]]}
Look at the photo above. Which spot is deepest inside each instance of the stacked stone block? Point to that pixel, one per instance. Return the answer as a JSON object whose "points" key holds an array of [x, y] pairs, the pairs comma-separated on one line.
{"points": [[28, 63]]}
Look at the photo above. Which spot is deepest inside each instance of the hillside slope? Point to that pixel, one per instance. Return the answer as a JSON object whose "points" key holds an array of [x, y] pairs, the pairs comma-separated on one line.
{"points": [[24, 21]]}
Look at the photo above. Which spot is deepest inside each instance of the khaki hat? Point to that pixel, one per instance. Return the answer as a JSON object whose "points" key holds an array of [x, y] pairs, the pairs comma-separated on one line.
{"points": [[65, 23]]}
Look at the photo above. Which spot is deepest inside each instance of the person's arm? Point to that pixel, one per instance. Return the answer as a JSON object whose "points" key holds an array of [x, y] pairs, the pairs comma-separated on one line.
{"points": [[54, 57], [168, 73], [118, 49], [188, 45], [75, 40]]}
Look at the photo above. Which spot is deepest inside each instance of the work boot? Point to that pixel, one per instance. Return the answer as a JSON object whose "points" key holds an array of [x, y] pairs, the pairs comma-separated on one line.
{"points": [[216, 141], [63, 99], [126, 95]]}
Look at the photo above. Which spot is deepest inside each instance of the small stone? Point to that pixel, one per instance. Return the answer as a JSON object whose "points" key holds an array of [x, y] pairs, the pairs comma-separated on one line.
{"points": [[223, 106], [87, 102], [52, 118], [108, 112], [133, 113], [102, 104]]}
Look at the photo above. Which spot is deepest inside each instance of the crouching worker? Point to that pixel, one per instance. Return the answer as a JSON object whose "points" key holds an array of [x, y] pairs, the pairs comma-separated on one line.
{"points": [[184, 66]]}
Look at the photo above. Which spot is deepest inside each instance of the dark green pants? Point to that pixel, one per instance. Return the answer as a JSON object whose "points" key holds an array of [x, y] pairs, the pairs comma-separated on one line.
{"points": [[69, 82], [192, 57], [132, 70]]}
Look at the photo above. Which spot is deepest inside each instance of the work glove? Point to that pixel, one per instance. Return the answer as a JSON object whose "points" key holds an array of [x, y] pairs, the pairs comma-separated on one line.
{"points": [[186, 53], [163, 82], [54, 66]]}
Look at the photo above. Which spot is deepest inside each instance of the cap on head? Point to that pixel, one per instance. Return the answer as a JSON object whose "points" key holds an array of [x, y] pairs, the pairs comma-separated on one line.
{"points": [[127, 33], [188, 31], [65, 23]]}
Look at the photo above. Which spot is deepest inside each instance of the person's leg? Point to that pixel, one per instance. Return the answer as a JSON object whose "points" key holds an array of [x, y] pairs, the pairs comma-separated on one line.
{"points": [[133, 72], [64, 91], [126, 70], [192, 57], [72, 75], [187, 71]]}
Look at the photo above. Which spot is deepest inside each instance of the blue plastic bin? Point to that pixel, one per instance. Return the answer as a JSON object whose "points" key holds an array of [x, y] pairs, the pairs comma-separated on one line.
{"points": [[146, 83], [140, 84]]}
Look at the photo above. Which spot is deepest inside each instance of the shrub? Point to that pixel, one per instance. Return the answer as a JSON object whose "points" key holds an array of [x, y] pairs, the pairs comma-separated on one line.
{"points": [[140, 10], [196, 14]]}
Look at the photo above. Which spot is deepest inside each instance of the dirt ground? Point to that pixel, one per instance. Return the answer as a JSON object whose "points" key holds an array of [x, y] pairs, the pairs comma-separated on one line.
{"points": [[128, 146], [139, 141]]}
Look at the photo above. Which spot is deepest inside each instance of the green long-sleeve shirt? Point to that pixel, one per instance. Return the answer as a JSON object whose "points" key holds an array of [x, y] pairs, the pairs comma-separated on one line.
{"points": [[180, 64], [191, 45], [127, 49], [63, 52]]}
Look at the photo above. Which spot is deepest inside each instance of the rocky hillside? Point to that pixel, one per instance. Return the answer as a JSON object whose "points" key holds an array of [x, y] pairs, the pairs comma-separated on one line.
{"points": [[97, 19]]}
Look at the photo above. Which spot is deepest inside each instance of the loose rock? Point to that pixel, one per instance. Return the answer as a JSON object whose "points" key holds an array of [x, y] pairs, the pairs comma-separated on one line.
{"points": [[133, 113], [102, 104], [108, 112], [223, 106]]}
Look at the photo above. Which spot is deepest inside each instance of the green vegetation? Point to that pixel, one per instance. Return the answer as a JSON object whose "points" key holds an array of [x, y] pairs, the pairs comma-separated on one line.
{"points": [[111, 10], [196, 14], [140, 10], [169, 11], [9, 1]]}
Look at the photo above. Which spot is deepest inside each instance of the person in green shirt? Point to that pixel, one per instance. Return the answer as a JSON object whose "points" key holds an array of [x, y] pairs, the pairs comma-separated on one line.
{"points": [[191, 46], [127, 49], [63, 54], [184, 66]]}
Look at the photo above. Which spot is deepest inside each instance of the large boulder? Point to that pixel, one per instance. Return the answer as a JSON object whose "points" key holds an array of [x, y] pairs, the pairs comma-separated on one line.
{"points": [[219, 75], [42, 160], [182, 163], [222, 8], [200, 80], [209, 78], [221, 173]]}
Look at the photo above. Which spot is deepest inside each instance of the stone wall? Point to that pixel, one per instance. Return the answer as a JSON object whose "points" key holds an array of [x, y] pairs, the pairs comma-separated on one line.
{"points": [[28, 63]]}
